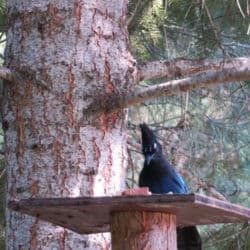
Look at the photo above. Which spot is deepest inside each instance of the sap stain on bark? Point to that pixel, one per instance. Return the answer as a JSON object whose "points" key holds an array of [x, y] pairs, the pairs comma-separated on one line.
{"points": [[20, 137], [33, 234], [54, 19], [68, 97], [77, 15], [96, 151], [25, 27]]}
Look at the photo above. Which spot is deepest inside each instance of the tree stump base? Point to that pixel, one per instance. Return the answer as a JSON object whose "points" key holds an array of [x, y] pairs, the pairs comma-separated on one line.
{"points": [[143, 230]]}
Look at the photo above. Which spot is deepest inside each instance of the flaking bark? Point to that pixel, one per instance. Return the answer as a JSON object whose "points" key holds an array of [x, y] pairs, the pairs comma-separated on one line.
{"points": [[70, 56]]}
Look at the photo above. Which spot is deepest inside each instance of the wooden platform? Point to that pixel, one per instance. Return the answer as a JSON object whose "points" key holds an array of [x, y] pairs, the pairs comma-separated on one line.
{"points": [[92, 215]]}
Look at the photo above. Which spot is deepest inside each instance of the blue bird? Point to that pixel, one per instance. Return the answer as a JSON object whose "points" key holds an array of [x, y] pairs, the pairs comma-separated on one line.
{"points": [[161, 178]]}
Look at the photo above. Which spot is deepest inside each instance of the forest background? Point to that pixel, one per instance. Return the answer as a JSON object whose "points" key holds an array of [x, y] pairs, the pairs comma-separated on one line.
{"points": [[205, 132]]}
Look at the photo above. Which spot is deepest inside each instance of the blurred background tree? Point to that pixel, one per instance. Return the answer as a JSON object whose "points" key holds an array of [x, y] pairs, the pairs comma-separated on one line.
{"points": [[3, 29], [206, 132]]}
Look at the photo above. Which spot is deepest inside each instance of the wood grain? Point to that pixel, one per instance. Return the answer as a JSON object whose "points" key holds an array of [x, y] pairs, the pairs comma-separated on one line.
{"points": [[143, 230], [93, 214]]}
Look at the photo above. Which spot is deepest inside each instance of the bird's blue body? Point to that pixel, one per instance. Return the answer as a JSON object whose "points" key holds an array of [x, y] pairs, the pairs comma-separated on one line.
{"points": [[161, 178]]}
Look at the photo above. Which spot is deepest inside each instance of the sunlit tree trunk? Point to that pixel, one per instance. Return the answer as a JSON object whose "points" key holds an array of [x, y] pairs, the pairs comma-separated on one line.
{"points": [[71, 58]]}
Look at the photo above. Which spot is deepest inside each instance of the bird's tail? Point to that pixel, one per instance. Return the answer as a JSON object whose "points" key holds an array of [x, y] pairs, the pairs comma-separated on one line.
{"points": [[188, 238]]}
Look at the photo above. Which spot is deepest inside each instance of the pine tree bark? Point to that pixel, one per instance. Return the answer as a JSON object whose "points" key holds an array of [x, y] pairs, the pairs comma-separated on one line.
{"points": [[70, 60]]}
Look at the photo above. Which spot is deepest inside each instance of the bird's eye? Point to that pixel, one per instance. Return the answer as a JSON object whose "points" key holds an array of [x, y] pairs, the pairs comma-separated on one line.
{"points": [[150, 149]]}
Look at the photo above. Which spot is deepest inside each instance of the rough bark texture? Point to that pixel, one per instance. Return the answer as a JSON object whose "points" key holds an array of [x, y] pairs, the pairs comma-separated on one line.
{"points": [[181, 67], [143, 231], [72, 55]]}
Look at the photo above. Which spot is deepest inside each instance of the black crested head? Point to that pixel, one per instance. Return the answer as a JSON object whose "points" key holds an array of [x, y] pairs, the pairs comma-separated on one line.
{"points": [[150, 145], [147, 135]]}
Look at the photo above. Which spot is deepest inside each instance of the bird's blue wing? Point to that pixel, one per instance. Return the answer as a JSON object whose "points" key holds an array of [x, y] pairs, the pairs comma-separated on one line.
{"points": [[181, 184]]}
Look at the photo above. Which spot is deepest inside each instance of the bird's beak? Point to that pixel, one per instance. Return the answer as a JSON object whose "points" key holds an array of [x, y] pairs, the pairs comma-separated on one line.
{"points": [[148, 159]]}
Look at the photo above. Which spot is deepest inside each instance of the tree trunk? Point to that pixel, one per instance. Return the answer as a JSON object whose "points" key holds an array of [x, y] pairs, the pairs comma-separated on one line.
{"points": [[68, 56]]}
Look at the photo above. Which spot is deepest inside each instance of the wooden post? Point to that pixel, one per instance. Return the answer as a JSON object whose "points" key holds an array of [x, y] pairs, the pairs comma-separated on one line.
{"points": [[139, 230]]}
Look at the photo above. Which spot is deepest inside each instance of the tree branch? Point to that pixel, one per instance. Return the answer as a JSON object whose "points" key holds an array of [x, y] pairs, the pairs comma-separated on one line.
{"points": [[214, 28], [6, 74], [181, 67], [138, 13], [202, 184], [131, 17], [2, 173], [237, 72]]}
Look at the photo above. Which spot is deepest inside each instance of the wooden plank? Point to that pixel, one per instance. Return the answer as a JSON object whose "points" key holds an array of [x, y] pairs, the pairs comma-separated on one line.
{"points": [[93, 214]]}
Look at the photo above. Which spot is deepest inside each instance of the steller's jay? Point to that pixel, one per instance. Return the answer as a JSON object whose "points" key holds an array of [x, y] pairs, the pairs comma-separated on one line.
{"points": [[160, 177]]}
